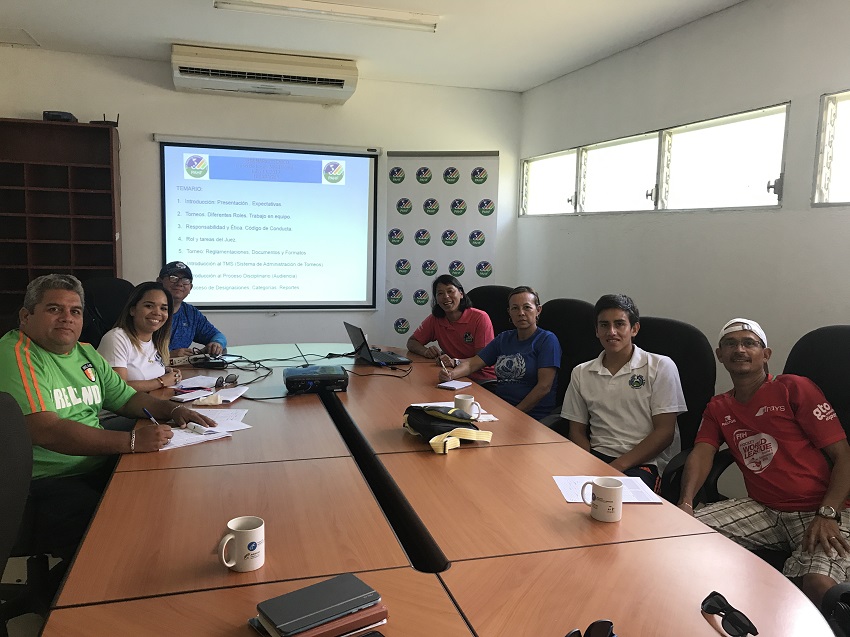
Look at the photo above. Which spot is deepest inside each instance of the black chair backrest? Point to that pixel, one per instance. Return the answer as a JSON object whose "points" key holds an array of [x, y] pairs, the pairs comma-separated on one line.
{"points": [[493, 299], [105, 297], [574, 323], [820, 356], [16, 460], [693, 355]]}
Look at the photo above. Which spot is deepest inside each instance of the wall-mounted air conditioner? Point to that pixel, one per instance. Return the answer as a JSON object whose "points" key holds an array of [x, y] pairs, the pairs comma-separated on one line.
{"points": [[259, 74]]}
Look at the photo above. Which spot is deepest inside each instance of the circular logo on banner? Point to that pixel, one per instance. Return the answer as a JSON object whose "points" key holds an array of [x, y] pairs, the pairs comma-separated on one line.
{"points": [[423, 175], [449, 237], [197, 166], [486, 207], [451, 175], [397, 175], [476, 238], [479, 175], [429, 267], [394, 296], [404, 206], [422, 237], [333, 172], [483, 269], [401, 325], [431, 206], [458, 207], [402, 266], [456, 268], [420, 297], [395, 236]]}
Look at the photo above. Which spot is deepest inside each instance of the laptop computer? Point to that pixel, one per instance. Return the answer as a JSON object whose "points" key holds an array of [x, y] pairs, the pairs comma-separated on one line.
{"points": [[364, 352]]}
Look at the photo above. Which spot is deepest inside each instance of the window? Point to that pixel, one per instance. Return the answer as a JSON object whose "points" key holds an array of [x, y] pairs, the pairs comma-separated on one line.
{"points": [[550, 184], [831, 182], [728, 162]]}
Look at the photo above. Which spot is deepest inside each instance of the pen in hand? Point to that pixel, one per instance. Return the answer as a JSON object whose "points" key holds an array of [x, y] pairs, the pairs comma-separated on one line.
{"points": [[153, 420], [444, 368]]}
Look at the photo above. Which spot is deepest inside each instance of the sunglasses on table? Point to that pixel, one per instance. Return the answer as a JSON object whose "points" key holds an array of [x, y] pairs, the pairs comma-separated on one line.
{"points": [[734, 622], [222, 381], [599, 628]]}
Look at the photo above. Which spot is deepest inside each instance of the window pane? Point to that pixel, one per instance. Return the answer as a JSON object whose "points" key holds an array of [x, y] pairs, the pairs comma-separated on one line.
{"points": [[839, 179], [618, 175], [550, 185], [728, 162]]}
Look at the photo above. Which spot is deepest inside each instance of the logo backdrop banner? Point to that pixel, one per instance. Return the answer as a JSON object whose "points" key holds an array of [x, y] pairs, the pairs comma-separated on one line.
{"points": [[441, 219]]}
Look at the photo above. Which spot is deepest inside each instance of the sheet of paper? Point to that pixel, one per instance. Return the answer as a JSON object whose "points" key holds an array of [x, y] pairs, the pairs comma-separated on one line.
{"points": [[231, 393], [454, 384], [634, 489], [192, 395], [197, 381], [482, 417], [226, 419], [185, 437]]}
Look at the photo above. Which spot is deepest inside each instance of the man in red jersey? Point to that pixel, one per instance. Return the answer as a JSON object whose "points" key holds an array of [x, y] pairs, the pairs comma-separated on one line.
{"points": [[793, 452]]}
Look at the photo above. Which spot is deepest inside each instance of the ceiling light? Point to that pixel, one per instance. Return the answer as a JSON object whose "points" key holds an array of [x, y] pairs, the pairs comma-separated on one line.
{"points": [[336, 12]]}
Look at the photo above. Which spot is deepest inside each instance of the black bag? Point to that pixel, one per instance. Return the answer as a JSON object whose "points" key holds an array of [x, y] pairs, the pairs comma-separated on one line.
{"points": [[442, 427]]}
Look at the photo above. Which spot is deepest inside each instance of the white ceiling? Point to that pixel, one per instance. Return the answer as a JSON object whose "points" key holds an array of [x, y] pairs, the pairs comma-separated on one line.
{"points": [[510, 45]]}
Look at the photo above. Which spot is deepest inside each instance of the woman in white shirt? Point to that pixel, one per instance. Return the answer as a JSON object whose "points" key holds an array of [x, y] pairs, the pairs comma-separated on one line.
{"points": [[137, 347]]}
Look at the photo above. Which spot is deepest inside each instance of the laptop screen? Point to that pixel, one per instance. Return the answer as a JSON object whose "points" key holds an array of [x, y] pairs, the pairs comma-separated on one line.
{"points": [[358, 340]]}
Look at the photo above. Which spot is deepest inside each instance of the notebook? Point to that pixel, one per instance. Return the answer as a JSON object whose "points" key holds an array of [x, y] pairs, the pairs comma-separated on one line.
{"points": [[364, 352]]}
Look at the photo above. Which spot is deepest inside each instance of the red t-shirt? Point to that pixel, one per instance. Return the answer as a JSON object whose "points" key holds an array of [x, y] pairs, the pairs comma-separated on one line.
{"points": [[462, 339], [776, 438]]}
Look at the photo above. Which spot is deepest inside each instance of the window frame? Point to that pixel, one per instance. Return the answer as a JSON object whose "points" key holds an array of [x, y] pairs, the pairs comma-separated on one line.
{"points": [[823, 128], [661, 188]]}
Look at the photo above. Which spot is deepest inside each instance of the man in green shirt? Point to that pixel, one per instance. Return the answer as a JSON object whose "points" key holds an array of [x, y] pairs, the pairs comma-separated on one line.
{"points": [[61, 385]]}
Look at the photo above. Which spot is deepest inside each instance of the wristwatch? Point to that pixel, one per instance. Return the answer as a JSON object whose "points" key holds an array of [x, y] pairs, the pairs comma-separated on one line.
{"points": [[455, 362], [828, 512]]}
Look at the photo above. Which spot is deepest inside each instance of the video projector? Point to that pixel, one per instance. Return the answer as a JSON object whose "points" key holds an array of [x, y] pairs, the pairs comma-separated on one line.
{"points": [[312, 379]]}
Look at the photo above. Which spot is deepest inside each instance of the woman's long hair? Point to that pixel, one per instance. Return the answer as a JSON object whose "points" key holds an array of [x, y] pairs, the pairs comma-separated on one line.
{"points": [[162, 336]]}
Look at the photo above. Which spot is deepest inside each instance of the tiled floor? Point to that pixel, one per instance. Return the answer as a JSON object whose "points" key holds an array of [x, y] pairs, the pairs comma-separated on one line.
{"points": [[25, 625]]}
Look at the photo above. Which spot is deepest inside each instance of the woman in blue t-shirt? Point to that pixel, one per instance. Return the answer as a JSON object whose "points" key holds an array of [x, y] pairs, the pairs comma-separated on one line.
{"points": [[526, 359]]}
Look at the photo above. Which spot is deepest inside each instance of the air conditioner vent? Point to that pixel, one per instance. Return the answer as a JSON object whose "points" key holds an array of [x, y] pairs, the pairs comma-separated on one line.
{"points": [[262, 77], [262, 74]]}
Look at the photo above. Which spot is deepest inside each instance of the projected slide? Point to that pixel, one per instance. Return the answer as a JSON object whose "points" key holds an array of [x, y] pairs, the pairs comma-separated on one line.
{"points": [[270, 228]]}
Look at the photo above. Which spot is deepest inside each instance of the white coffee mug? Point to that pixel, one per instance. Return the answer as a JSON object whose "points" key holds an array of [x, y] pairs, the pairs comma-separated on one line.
{"points": [[606, 499], [248, 548], [467, 402]]}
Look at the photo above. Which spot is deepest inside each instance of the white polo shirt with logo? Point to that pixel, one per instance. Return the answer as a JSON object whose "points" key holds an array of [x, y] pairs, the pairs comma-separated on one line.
{"points": [[619, 408]]}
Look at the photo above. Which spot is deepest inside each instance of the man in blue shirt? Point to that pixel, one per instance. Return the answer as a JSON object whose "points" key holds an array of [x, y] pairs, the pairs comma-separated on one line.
{"points": [[188, 325]]}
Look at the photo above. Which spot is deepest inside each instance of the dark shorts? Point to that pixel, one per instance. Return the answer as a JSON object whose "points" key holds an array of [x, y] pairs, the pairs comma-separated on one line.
{"points": [[646, 472]]}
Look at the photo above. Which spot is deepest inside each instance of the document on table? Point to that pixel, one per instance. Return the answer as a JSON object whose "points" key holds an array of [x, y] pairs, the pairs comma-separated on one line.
{"points": [[186, 437], [231, 393], [483, 416], [453, 384], [226, 419], [196, 382], [634, 489]]}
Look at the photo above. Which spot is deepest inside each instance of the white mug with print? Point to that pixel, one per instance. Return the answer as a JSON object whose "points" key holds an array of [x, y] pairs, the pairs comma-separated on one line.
{"points": [[606, 499]]}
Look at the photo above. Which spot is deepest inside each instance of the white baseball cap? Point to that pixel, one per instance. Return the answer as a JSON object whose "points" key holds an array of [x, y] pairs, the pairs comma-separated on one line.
{"points": [[741, 324]]}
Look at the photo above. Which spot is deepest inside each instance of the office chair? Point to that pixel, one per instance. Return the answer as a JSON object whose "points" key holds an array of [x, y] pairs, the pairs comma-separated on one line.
{"points": [[16, 460], [105, 298], [573, 321], [820, 356], [493, 299]]}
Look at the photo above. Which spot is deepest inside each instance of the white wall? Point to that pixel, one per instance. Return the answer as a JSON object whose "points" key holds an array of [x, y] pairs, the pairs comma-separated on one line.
{"points": [[787, 268], [380, 114]]}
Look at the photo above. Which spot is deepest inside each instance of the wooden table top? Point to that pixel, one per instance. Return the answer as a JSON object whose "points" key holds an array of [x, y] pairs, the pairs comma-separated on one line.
{"points": [[652, 588], [377, 397], [504, 500], [417, 603], [295, 428], [156, 532]]}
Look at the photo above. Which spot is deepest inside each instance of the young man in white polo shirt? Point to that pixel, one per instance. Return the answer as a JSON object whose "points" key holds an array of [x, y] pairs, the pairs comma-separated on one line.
{"points": [[622, 406]]}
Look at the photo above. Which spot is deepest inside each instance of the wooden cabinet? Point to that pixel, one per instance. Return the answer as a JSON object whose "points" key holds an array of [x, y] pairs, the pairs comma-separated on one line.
{"points": [[59, 203]]}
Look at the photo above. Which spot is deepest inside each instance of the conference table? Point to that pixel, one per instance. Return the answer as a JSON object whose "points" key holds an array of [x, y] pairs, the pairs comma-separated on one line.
{"points": [[521, 560]]}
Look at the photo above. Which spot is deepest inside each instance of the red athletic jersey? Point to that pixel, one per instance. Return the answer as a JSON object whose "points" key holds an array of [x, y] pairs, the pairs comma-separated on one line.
{"points": [[776, 440]]}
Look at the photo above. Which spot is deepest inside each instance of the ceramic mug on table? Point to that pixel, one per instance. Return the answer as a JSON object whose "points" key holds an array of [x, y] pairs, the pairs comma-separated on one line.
{"points": [[606, 499], [246, 538], [467, 402]]}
